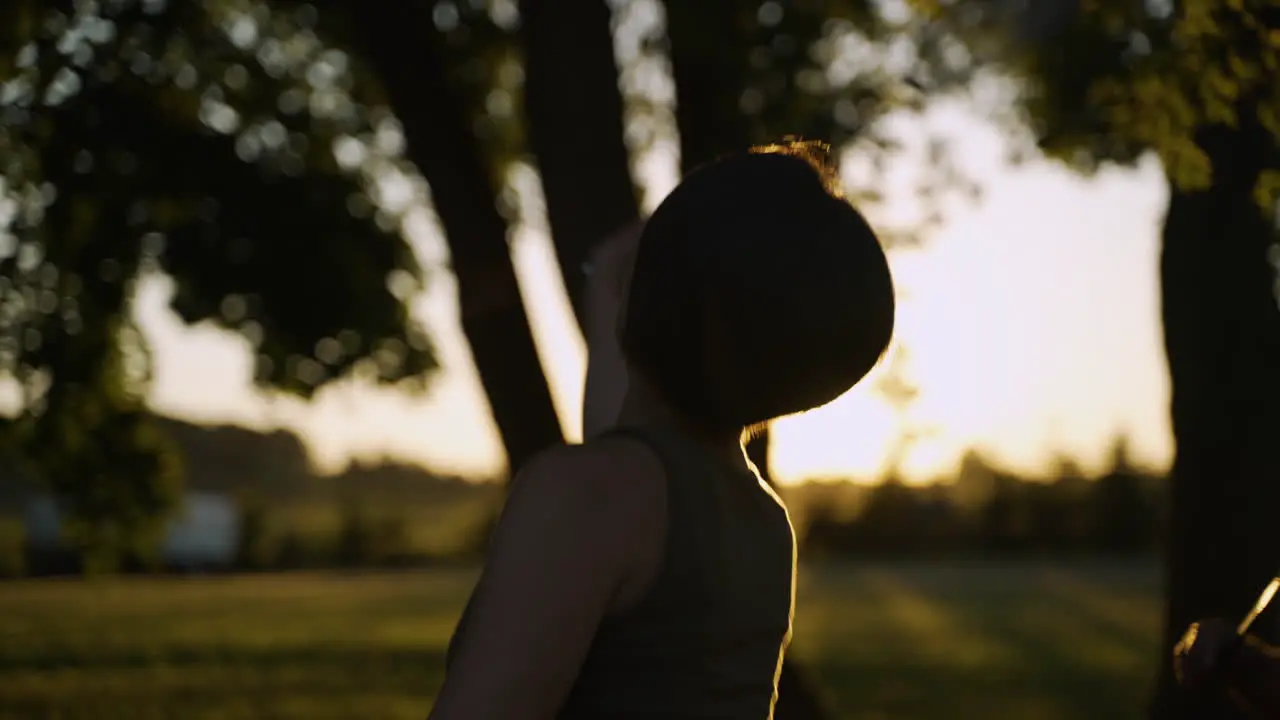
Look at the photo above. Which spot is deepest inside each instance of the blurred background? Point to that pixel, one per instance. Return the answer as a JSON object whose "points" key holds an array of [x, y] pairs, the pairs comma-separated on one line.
{"points": [[287, 287]]}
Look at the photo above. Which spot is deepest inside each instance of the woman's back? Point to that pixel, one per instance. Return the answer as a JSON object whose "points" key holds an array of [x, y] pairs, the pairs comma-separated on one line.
{"points": [[707, 638]]}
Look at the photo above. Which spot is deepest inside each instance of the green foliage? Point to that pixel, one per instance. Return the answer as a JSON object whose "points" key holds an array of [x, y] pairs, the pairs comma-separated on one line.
{"points": [[1108, 81], [482, 51], [231, 156], [256, 548], [827, 69], [356, 538], [369, 539], [115, 477], [800, 74], [1206, 64], [13, 550], [219, 142], [987, 512]]}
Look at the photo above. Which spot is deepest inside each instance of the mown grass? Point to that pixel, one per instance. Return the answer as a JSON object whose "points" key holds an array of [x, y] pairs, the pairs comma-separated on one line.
{"points": [[992, 642], [887, 641]]}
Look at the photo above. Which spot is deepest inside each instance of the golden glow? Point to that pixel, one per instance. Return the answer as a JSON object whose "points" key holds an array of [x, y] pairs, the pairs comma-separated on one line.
{"points": [[1031, 316]]}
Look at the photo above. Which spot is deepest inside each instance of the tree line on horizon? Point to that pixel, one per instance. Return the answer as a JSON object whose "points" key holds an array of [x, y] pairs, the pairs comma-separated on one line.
{"points": [[982, 510], [392, 514]]}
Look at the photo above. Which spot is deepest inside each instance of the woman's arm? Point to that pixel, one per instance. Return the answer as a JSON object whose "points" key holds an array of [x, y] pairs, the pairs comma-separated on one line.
{"points": [[1248, 669], [1255, 677], [581, 524], [606, 383]]}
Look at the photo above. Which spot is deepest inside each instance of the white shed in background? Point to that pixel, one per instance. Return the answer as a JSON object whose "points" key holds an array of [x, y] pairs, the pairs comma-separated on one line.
{"points": [[203, 533]]}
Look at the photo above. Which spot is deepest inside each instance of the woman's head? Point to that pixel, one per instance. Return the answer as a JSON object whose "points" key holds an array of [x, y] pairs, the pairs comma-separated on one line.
{"points": [[758, 291]]}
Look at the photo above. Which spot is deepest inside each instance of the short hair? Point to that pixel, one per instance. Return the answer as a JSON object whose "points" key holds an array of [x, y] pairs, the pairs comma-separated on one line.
{"points": [[758, 290]]}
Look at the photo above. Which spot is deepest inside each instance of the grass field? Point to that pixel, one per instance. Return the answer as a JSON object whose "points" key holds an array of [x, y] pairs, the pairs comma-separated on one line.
{"points": [[1029, 641]]}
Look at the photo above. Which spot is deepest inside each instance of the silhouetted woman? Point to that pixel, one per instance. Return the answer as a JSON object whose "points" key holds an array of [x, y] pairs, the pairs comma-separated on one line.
{"points": [[649, 573]]}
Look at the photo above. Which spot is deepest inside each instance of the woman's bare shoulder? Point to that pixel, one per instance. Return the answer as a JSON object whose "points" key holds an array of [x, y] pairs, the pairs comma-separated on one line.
{"points": [[611, 489], [578, 528], [608, 470]]}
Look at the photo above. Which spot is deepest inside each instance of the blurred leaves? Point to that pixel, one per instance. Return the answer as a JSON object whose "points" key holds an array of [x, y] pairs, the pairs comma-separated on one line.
{"points": [[222, 143], [1106, 82], [837, 70]]}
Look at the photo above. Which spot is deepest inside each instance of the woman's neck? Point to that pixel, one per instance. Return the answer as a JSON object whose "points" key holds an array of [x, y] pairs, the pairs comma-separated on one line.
{"points": [[642, 406]]}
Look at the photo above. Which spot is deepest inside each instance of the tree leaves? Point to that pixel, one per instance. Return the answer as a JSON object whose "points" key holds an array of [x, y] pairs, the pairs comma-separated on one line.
{"points": [[196, 139], [1112, 80]]}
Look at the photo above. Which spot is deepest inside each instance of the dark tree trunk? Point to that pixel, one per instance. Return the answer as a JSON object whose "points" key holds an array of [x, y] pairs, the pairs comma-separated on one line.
{"points": [[708, 56], [1222, 338], [708, 61], [400, 42], [574, 116]]}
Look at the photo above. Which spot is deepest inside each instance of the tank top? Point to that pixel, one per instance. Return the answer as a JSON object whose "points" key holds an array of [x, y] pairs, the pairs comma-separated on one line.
{"points": [[707, 639]]}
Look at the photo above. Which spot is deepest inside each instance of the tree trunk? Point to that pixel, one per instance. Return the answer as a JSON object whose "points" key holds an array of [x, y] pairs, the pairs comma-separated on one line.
{"points": [[574, 117], [708, 62], [1222, 338], [708, 51], [400, 42]]}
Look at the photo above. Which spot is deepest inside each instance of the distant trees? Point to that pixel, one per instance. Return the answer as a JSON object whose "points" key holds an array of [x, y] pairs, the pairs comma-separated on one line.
{"points": [[13, 557], [1119, 513], [371, 514], [375, 514], [367, 538], [256, 548]]}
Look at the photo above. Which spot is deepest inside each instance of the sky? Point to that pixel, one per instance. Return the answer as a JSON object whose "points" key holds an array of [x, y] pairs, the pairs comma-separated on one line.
{"points": [[1031, 316]]}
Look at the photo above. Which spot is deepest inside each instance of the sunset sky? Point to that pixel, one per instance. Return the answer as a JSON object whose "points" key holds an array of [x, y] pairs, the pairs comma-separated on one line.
{"points": [[1031, 317]]}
